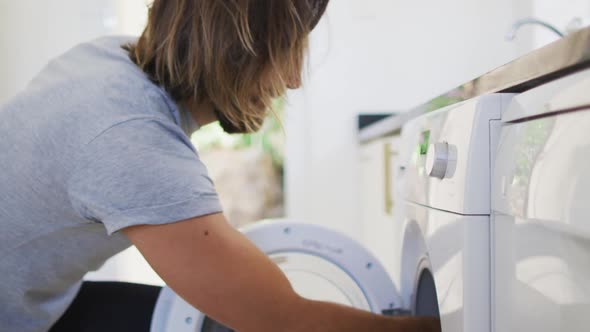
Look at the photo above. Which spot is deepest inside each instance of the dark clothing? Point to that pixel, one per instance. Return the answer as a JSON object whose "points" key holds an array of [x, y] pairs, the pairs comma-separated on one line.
{"points": [[110, 307]]}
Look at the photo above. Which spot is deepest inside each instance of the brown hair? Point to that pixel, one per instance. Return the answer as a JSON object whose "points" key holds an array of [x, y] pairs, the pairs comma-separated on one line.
{"points": [[234, 54]]}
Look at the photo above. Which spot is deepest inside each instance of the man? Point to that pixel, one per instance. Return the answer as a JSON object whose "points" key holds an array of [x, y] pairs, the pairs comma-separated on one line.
{"points": [[96, 156]]}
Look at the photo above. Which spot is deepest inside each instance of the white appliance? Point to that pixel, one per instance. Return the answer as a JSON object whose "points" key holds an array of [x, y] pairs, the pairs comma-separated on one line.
{"points": [[444, 247], [446, 225], [541, 205]]}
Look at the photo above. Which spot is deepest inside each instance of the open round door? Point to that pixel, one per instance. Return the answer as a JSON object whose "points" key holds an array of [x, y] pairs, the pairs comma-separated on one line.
{"points": [[321, 264]]}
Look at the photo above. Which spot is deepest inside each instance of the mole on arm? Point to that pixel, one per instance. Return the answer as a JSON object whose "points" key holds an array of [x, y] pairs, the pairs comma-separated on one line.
{"points": [[206, 233]]}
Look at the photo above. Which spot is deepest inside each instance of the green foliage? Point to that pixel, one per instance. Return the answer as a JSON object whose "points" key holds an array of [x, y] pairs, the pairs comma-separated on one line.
{"points": [[443, 101], [270, 138]]}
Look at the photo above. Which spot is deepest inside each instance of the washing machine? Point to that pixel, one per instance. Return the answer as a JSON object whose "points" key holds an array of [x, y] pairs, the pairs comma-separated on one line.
{"points": [[447, 159], [445, 247], [541, 210]]}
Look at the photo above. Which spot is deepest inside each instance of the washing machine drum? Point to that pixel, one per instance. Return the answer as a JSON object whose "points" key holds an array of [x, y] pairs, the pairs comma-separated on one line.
{"points": [[321, 264]]}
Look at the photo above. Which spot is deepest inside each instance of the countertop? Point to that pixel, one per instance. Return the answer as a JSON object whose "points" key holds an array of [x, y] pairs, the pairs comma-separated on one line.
{"points": [[560, 58]]}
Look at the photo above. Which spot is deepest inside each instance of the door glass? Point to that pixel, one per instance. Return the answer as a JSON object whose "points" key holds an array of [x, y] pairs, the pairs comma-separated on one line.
{"points": [[318, 279], [314, 278]]}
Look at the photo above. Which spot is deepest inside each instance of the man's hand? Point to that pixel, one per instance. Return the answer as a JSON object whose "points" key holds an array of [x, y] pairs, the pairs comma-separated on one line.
{"points": [[218, 270]]}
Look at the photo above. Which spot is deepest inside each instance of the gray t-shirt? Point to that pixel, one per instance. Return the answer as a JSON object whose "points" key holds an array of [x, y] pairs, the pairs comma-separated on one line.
{"points": [[90, 147]]}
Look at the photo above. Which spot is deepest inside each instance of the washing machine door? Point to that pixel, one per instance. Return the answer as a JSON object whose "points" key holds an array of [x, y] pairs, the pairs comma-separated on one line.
{"points": [[321, 264]]}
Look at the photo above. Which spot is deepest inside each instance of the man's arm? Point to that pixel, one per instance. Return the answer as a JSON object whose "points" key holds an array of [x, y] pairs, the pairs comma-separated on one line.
{"points": [[218, 270]]}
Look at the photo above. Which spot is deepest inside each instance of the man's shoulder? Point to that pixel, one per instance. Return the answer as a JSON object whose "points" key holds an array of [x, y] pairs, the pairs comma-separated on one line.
{"points": [[92, 87], [97, 78]]}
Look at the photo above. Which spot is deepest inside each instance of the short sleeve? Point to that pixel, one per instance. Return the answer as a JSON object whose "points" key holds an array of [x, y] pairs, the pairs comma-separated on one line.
{"points": [[141, 171]]}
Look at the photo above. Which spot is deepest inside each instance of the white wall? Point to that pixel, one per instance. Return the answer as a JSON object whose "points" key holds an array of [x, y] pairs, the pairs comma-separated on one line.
{"points": [[381, 55], [34, 31], [560, 14]]}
